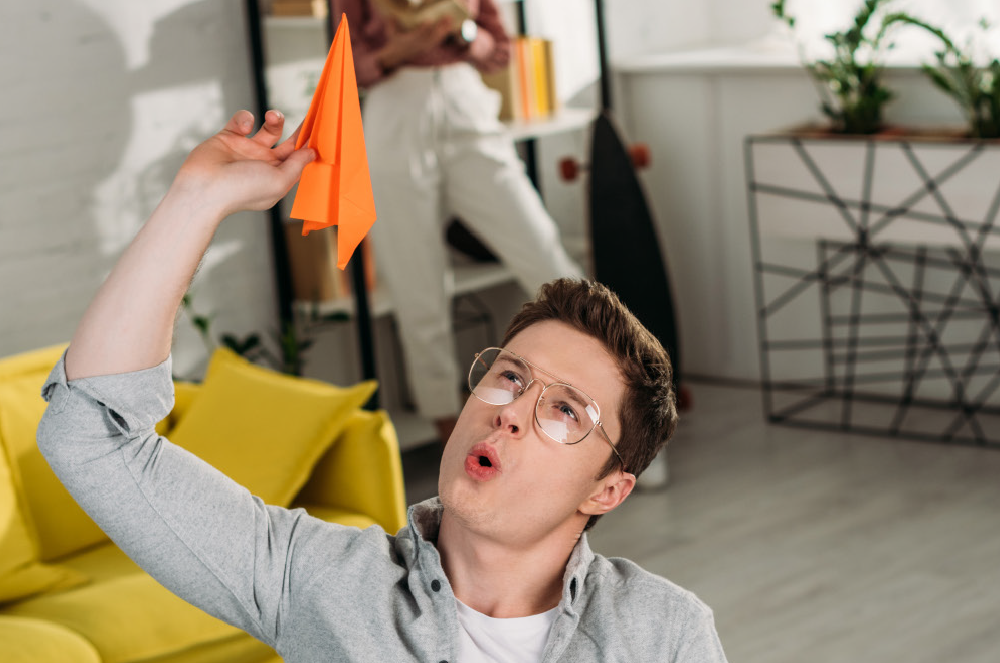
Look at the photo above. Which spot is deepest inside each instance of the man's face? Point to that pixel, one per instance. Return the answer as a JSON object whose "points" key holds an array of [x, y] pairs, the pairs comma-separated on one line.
{"points": [[536, 484]]}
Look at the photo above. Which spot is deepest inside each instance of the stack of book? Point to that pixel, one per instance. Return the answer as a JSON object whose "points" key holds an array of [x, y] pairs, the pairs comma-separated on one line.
{"points": [[527, 85]]}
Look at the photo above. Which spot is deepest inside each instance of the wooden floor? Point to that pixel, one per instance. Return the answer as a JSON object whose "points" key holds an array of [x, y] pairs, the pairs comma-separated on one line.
{"points": [[815, 546]]}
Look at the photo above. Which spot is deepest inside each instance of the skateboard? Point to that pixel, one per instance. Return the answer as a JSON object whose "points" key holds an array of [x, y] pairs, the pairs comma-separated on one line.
{"points": [[626, 250]]}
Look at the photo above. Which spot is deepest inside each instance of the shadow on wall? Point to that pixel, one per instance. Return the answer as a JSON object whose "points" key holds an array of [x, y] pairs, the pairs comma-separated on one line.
{"points": [[109, 101], [64, 132]]}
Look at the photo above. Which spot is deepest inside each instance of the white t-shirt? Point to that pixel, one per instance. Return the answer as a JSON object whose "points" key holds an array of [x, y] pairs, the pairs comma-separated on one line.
{"points": [[485, 639]]}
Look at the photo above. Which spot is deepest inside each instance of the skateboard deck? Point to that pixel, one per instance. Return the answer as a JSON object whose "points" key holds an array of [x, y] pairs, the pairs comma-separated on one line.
{"points": [[627, 254]]}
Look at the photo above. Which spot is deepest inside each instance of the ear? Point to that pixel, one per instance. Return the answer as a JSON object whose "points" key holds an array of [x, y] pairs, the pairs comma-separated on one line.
{"points": [[611, 491]]}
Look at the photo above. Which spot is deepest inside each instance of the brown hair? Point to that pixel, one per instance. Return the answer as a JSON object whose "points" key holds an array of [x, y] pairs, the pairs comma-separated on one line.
{"points": [[648, 411]]}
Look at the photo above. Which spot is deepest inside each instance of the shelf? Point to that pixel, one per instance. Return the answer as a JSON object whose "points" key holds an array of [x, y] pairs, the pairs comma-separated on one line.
{"points": [[767, 55], [565, 119], [296, 22], [469, 277]]}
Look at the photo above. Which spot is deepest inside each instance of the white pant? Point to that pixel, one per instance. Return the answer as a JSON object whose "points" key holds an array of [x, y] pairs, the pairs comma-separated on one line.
{"points": [[436, 150]]}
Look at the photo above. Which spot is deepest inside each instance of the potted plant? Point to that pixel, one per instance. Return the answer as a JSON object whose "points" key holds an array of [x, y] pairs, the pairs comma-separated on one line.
{"points": [[292, 341], [850, 81], [973, 82], [874, 277]]}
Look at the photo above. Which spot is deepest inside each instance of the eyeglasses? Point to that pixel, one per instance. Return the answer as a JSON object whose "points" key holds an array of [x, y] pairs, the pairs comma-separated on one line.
{"points": [[563, 412]]}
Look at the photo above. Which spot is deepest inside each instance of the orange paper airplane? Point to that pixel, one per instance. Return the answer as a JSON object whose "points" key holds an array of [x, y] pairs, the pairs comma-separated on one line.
{"points": [[336, 188]]}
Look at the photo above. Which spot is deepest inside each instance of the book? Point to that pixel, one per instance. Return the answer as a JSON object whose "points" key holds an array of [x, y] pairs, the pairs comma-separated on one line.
{"points": [[550, 77], [506, 83], [539, 77], [313, 263], [527, 85], [409, 14], [526, 89]]}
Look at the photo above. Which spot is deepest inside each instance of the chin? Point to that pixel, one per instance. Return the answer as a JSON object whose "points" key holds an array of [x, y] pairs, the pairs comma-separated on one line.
{"points": [[467, 509]]}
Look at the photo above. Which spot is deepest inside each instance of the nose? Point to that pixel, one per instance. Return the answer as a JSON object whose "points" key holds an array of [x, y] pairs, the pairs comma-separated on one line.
{"points": [[515, 417]]}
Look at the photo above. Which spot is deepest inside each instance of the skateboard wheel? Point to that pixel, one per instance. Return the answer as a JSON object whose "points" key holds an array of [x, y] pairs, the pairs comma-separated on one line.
{"points": [[569, 169], [684, 399], [640, 155]]}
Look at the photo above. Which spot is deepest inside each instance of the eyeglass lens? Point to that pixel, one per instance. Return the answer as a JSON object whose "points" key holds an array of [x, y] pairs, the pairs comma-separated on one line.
{"points": [[565, 413]]}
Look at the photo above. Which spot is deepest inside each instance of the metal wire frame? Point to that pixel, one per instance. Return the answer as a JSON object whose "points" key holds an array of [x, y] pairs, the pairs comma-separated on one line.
{"points": [[876, 362]]}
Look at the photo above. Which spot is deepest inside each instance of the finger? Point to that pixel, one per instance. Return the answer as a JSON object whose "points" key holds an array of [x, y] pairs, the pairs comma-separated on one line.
{"points": [[288, 145], [270, 132], [292, 167], [241, 123]]}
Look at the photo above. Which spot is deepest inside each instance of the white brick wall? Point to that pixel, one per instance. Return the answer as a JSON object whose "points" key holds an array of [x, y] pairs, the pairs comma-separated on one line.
{"points": [[101, 100]]}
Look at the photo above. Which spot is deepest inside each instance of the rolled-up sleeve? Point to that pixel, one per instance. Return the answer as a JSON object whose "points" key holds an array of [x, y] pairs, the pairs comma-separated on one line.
{"points": [[119, 405], [196, 531]]}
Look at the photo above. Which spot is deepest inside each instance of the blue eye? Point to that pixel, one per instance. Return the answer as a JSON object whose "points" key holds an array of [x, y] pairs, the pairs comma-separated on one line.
{"points": [[513, 377], [566, 411], [510, 380]]}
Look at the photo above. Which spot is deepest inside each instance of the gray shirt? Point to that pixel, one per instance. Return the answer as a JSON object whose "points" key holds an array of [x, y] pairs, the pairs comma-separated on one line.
{"points": [[313, 590]]}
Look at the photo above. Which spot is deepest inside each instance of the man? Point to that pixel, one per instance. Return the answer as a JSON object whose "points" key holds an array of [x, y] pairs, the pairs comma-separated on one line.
{"points": [[564, 415], [436, 150]]}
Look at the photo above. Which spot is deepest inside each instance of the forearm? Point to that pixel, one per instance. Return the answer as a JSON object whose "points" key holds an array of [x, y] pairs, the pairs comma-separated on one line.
{"points": [[490, 51], [129, 324]]}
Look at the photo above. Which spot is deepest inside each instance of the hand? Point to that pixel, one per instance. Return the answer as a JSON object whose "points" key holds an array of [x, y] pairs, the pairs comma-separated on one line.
{"points": [[233, 171], [402, 47]]}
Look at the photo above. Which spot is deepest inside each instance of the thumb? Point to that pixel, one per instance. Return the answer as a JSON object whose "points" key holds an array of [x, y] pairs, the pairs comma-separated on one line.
{"points": [[292, 166]]}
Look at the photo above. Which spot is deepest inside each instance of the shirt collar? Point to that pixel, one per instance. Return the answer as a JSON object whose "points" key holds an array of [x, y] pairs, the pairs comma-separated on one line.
{"points": [[425, 523]]}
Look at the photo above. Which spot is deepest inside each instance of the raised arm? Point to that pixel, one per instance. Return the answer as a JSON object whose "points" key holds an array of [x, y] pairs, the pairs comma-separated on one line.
{"points": [[129, 324], [195, 530]]}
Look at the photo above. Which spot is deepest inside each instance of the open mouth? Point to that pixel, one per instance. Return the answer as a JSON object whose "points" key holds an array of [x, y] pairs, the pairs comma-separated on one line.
{"points": [[483, 462]]}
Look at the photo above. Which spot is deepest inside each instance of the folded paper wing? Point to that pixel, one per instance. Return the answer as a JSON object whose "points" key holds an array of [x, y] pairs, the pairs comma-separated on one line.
{"points": [[336, 187]]}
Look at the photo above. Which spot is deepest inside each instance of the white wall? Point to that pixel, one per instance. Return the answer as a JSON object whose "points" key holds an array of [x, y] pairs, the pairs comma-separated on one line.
{"points": [[102, 99], [694, 108]]}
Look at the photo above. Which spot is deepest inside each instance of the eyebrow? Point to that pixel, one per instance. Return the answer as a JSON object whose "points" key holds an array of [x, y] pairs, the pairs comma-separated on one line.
{"points": [[574, 396], [510, 361], [518, 358]]}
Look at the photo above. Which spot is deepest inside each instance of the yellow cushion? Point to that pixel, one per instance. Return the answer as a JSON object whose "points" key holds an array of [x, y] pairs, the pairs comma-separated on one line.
{"points": [[362, 473], [124, 613], [184, 395], [264, 429], [33, 361], [21, 407], [60, 525], [36, 641], [21, 574]]}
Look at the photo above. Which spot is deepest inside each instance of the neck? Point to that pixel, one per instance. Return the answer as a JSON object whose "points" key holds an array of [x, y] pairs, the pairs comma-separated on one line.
{"points": [[503, 580]]}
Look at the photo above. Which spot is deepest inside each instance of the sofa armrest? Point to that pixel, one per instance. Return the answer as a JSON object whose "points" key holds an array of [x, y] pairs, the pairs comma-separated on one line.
{"points": [[361, 472]]}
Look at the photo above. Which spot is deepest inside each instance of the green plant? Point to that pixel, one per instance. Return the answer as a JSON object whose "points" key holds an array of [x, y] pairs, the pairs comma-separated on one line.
{"points": [[975, 88], [850, 83], [291, 342]]}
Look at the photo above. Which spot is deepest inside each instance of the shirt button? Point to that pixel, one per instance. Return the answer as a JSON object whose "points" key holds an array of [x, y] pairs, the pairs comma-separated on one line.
{"points": [[436, 586]]}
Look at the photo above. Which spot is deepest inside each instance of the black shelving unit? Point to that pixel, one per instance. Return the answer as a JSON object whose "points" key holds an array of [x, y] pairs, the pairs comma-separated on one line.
{"points": [[279, 251]]}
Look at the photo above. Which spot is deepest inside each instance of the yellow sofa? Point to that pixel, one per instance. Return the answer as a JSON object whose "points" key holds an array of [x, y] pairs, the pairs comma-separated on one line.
{"points": [[68, 595]]}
